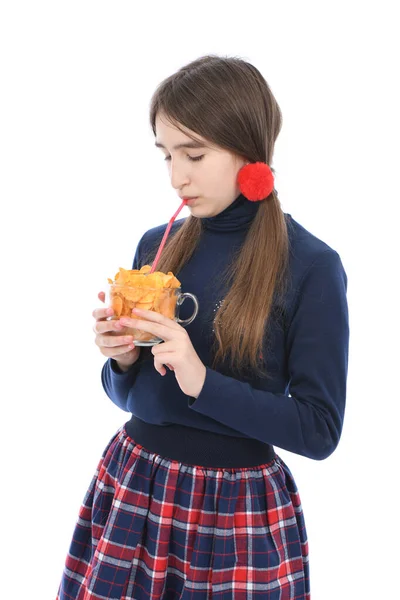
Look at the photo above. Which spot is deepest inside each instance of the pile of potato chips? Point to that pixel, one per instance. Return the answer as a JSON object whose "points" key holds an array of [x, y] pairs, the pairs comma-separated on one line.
{"points": [[142, 289]]}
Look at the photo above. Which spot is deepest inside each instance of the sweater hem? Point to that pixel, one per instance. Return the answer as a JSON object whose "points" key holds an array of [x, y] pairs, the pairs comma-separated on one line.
{"points": [[199, 447]]}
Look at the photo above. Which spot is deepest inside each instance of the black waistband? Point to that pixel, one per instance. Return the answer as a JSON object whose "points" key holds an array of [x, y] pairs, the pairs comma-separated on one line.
{"points": [[199, 447]]}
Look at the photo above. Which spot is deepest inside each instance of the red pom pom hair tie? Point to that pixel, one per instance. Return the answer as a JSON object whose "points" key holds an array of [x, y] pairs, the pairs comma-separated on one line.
{"points": [[256, 181]]}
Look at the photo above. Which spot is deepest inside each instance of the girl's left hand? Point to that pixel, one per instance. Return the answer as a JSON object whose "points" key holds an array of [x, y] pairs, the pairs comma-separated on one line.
{"points": [[176, 352]]}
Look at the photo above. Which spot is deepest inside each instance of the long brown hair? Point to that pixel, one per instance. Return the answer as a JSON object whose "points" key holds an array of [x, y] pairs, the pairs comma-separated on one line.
{"points": [[228, 102]]}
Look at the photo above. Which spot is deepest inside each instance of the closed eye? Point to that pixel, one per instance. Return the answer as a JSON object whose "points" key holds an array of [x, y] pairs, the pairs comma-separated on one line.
{"points": [[193, 158]]}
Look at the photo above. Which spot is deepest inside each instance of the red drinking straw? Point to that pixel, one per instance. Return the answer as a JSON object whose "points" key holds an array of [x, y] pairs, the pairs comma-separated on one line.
{"points": [[160, 249]]}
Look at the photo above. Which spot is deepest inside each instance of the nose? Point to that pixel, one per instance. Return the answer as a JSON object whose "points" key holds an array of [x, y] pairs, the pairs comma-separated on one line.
{"points": [[179, 175]]}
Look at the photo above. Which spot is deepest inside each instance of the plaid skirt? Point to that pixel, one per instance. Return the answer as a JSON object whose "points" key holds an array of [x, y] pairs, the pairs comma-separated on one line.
{"points": [[154, 528]]}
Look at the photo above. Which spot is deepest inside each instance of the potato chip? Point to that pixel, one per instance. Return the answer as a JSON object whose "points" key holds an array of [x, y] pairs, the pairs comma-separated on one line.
{"points": [[117, 304]]}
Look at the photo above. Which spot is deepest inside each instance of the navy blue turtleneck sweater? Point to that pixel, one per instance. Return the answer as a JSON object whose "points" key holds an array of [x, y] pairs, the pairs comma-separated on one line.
{"points": [[301, 409]]}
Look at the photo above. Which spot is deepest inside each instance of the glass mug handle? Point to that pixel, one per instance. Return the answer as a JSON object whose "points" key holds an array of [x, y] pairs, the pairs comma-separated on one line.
{"points": [[180, 300]]}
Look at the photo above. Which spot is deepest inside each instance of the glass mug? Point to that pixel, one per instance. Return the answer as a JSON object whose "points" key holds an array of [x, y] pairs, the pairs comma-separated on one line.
{"points": [[166, 301]]}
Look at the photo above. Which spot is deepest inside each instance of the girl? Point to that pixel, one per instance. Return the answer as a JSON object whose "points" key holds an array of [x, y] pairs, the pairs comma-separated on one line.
{"points": [[190, 499]]}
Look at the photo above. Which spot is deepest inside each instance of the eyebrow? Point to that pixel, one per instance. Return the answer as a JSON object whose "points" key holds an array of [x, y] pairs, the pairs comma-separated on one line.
{"points": [[185, 145]]}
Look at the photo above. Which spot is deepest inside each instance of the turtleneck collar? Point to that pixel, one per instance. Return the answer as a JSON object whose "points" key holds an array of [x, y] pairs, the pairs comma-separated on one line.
{"points": [[234, 217]]}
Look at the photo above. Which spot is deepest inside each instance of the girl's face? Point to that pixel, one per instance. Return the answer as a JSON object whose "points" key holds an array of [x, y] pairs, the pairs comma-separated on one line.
{"points": [[206, 171]]}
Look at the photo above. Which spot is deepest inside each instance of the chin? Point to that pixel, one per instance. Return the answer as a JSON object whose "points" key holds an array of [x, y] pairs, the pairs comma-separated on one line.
{"points": [[197, 211], [193, 208]]}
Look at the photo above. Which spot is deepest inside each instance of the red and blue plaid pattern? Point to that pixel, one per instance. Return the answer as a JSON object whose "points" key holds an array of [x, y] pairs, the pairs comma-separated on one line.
{"points": [[153, 528]]}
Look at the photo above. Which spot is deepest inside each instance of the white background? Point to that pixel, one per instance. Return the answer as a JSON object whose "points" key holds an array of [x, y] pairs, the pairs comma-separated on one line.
{"points": [[81, 181]]}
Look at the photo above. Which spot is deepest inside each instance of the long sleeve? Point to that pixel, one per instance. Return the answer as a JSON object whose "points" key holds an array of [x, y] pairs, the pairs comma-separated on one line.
{"points": [[116, 383], [308, 421]]}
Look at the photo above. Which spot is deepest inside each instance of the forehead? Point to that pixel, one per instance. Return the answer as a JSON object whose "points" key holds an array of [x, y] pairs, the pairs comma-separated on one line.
{"points": [[168, 133]]}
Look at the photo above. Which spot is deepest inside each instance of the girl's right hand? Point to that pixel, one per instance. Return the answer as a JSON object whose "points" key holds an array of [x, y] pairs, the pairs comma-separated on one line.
{"points": [[112, 345]]}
